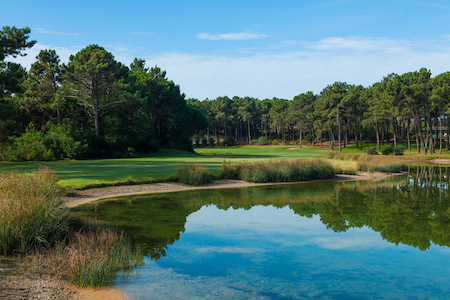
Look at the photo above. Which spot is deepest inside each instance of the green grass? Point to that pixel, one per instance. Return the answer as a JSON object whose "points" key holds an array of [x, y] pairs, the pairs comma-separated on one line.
{"points": [[88, 173], [156, 167]]}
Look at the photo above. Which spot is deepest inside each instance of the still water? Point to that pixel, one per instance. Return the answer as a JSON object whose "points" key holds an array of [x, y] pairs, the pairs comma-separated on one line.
{"points": [[351, 240]]}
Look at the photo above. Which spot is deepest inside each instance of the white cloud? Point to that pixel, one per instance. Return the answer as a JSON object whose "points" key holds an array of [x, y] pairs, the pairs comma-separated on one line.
{"points": [[42, 30], [229, 249], [231, 36], [142, 33]]}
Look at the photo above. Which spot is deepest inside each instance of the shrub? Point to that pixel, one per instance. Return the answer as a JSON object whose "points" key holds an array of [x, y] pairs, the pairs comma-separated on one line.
{"points": [[287, 142], [371, 151], [254, 142], [33, 145], [230, 171], [211, 142], [262, 141], [399, 150], [31, 211], [204, 142], [275, 142], [387, 149], [229, 141], [194, 174]]}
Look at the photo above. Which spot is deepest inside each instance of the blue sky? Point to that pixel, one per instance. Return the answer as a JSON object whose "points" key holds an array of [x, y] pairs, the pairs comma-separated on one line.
{"points": [[261, 49]]}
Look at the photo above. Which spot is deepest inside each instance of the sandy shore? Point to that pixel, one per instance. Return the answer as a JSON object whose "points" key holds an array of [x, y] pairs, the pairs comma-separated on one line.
{"points": [[85, 196]]}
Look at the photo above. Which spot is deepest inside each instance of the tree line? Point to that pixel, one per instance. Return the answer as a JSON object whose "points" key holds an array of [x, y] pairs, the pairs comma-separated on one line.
{"points": [[412, 107], [93, 106]]}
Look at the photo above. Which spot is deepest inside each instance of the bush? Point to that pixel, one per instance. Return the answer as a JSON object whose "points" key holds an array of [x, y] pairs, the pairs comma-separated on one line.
{"points": [[387, 149], [194, 174], [204, 142], [228, 141], [371, 151], [31, 211], [262, 141], [254, 142], [33, 145], [230, 171], [211, 142], [287, 142], [275, 142], [399, 150]]}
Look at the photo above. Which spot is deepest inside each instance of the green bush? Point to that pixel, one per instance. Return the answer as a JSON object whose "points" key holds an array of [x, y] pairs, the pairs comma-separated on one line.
{"points": [[254, 142], [33, 145], [262, 141], [31, 211], [194, 174], [371, 151], [287, 142], [228, 141], [211, 142], [386, 149], [399, 150], [275, 142], [204, 142]]}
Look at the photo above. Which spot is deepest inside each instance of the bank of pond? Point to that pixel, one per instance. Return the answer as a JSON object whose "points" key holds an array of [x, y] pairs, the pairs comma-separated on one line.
{"points": [[297, 235]]}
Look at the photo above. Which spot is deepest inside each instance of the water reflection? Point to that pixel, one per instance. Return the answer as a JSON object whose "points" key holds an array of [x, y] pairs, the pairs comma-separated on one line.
{"points": [[412, 209], [350, 240]]}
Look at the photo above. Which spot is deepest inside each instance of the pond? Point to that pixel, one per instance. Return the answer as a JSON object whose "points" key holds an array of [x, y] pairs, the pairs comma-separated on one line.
{"points": [[331, 240]]}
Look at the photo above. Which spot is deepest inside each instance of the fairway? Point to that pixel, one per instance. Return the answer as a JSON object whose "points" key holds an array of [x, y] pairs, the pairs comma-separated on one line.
{"points": [[82, 173]]}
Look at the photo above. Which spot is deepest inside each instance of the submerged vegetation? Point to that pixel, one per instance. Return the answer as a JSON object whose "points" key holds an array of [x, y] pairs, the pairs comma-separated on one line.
{"points": [[278, 170], [34, 222]]}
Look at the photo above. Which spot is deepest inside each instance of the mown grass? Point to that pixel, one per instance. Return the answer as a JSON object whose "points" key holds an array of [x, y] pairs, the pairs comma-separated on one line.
{"points": [[34, 224], [278, 170]]}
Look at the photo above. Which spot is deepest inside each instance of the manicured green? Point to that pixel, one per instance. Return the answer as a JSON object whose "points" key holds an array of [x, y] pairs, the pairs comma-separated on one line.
{"points": [[83, 173]]}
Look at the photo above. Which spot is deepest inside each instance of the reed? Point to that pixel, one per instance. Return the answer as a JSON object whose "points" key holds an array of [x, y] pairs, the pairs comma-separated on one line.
{"points": [[194, 174], [90, 257], [372, 163], [279, 170], [31, 211]]}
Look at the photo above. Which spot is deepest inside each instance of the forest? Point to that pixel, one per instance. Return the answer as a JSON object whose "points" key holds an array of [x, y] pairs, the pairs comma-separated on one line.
{"points": [[94, 106]]}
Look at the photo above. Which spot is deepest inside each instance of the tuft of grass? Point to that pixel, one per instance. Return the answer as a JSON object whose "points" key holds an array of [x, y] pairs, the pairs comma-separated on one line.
{"points": [[230, 171], [194, 174], [31, 211], [90, 257], [279, 170], [389, 164]]}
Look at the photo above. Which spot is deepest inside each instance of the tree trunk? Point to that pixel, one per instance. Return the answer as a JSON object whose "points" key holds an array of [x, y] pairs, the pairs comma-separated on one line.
{"points": [[393, 132], [407, 136], [300, 135], [378, 136], [440, 134], [339, 129]]}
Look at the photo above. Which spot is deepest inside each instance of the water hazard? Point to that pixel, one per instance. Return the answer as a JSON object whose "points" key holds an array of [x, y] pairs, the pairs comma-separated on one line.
{"points": [[351, 240]]}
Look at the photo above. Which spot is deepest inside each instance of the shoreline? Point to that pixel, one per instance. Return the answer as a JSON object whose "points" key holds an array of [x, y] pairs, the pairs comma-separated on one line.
{"points": [[90, 195], [17, 286]]}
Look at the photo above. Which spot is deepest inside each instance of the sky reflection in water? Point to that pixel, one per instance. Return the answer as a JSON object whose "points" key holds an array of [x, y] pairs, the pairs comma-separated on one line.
{"points": [[268, 252]]}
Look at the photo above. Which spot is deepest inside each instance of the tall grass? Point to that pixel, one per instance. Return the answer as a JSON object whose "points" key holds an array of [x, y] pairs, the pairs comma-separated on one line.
{"points": [[372, 163], [88, 258], [31, 211], [279, 170], [194, 174]]}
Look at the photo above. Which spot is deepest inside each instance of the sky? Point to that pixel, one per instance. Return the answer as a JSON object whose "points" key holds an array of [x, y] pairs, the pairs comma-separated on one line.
{"points": [[261, 49]]}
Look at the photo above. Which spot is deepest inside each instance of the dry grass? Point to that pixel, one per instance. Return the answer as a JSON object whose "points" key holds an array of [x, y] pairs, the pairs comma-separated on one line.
{"points": [[31, 211], [371, 163], [88, 258], [279, 170]]}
